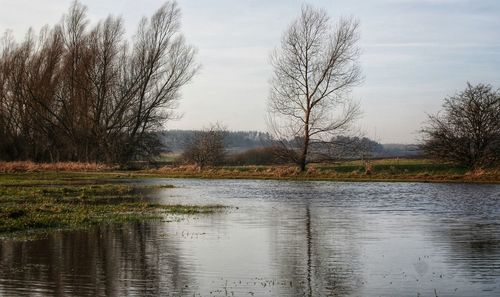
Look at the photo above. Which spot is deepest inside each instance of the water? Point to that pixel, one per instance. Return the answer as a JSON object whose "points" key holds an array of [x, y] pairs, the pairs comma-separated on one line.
{"points": [[283, 239]]}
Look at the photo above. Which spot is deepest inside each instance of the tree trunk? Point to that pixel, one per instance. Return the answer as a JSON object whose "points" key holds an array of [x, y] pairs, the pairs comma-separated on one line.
{"points": [[305, 148], [303, 156]]}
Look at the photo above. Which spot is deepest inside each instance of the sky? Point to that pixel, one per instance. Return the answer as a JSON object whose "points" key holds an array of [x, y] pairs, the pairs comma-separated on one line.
{"points": [[414, 54]]}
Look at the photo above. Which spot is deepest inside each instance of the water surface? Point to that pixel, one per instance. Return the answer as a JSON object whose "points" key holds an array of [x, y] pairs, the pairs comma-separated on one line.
{"points": [[281, 238]]}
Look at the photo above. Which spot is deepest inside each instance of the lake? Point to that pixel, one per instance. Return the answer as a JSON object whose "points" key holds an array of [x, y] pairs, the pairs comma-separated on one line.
{"points": [[278, 238]]}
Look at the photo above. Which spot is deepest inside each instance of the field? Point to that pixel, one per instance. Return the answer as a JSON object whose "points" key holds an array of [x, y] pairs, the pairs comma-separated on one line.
{"points": [[396, 169], [375, 170]]}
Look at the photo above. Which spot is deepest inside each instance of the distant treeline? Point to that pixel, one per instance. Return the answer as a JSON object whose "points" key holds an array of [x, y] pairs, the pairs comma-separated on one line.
{"points": [[242, 141], [235, 141]]}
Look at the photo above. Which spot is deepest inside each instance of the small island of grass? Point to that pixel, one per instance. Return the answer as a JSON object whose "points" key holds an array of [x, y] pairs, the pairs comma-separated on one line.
{"points": [[34, 203]]}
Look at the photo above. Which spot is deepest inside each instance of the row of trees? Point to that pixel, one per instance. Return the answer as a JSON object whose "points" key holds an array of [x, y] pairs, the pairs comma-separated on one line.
{"points": [[315, 68], [83, 93]]}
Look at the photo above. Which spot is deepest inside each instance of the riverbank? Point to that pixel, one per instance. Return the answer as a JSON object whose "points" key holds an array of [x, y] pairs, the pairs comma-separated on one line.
{"points": [[392, 170], [32, 204], [388, 170], [40, 200]]}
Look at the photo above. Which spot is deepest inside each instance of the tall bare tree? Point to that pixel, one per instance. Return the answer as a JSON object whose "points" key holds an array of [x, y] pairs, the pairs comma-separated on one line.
{"points": [[161, 64], [467, 131], [315, 68], [80, 92]]}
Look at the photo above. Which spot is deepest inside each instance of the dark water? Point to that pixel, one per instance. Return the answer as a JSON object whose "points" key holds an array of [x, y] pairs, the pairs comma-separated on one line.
{"points": [[284, 239]]}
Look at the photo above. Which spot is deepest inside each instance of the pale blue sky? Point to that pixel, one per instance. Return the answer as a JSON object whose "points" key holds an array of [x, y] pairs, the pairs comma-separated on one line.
{"points": [[414, 54]]}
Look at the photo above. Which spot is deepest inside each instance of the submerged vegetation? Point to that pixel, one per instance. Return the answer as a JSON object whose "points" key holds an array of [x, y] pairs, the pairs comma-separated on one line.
{"points": [[30, 204]]}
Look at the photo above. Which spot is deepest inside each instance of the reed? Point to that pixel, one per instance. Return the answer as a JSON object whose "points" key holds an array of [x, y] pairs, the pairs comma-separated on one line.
{"points": [[29, 166]]}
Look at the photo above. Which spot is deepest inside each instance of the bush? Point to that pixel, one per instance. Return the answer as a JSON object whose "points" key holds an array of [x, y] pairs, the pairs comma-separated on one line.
{"points": [[207, 147], [256, 156], [467, 132]]}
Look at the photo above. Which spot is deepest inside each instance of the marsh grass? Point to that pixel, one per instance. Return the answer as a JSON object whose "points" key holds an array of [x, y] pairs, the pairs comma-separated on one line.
{"points": [[67, 178], [34, 208], [29, 166]]}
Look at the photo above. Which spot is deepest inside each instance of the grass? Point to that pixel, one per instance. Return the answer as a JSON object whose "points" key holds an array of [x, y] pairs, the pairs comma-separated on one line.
{"points": [[28, 206], [395, 169], [419, 170], [394, 166], [28, 166]]}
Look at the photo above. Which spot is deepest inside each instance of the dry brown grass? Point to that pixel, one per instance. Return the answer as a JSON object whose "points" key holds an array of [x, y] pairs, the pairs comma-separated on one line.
{"points": [[227, 172], [314, 172], [28, 166]]}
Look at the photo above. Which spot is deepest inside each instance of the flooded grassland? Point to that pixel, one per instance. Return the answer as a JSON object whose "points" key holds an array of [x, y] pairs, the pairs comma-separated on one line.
{"points": [[274, 238], [32, 204]]}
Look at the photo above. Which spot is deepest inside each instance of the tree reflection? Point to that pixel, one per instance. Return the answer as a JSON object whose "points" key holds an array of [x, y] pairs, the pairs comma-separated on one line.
{"points": [[469, 230], [316, 250], [113, 260], [472, 249]]}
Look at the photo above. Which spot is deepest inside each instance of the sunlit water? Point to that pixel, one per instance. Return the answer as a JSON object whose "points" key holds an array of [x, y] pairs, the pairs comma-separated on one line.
{"points": [[283, 239]]}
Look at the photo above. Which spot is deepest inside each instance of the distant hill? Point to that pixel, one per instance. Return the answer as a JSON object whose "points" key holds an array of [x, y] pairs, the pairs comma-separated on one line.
{"points": [[239, 141]]}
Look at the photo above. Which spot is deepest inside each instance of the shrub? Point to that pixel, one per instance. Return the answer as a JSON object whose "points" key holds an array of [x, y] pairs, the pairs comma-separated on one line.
{"points": [[256, 156]]}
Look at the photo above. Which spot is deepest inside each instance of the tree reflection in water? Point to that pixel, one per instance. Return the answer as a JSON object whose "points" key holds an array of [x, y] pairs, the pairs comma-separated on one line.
{"points": [[106, 261], [316, 248]]}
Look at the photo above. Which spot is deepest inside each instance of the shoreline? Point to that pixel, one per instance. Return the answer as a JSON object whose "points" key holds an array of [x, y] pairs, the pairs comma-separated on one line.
{"points": [[36, 204], [116, 175]]}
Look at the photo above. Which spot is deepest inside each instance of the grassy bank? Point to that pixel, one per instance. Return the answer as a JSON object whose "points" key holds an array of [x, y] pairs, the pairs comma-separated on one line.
{"points": [[28, 166], [419, 170], [33, 203]]}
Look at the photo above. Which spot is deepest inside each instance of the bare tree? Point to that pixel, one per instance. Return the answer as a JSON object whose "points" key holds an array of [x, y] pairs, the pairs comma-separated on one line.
{"points": [[207, 147], [80, 92], [315, 68], [467, 132], [162, 63]]}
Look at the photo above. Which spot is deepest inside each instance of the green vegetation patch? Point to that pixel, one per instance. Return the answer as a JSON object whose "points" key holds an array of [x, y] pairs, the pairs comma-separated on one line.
{"points": [[34, 208], [54, 178], [395, 168]]}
